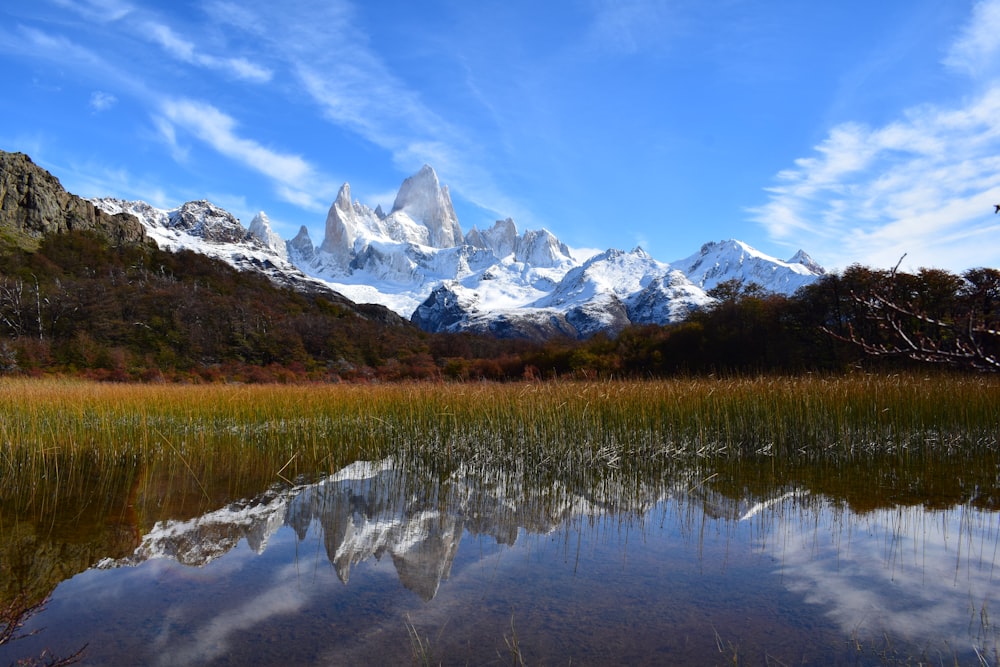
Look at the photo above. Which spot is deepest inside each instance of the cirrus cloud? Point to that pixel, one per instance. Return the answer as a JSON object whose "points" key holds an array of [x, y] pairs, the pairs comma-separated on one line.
{"points": [[186, 51], [291, 173]]}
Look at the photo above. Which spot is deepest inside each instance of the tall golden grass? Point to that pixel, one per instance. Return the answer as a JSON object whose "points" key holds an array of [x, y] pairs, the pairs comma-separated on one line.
{"points": [[310, 428]]}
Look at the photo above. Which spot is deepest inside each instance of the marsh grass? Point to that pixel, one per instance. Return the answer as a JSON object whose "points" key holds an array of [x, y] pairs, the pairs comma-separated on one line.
{"points": [[146, 452], [71, 431]]}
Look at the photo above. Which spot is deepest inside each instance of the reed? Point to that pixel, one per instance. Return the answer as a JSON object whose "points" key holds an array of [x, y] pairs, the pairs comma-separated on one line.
{"points": [[48, 427]]}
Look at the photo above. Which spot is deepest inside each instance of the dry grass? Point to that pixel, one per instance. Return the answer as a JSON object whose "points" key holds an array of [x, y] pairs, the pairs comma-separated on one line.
{"points": [[308, 429]]}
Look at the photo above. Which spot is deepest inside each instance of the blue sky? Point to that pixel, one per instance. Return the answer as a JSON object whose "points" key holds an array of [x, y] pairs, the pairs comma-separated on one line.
{"points": [[855, 130]]}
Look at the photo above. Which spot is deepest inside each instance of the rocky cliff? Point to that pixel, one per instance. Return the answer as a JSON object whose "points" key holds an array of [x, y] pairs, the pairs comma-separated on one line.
{"points": [[33, 203]]}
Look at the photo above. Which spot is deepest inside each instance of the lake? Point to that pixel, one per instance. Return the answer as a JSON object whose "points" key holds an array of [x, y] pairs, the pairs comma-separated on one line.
{"points": [[868, 560]]}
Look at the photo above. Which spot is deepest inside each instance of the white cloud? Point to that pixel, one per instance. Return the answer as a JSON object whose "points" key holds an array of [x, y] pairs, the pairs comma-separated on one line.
{"points": [[101, 101], [39, 43], [185, 51], [902, 575], [213, 639], [292, 174], [92, 179]]}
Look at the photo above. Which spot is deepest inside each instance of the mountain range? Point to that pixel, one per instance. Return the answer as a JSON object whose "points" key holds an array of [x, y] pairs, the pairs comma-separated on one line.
{"points": [[416, 261]]}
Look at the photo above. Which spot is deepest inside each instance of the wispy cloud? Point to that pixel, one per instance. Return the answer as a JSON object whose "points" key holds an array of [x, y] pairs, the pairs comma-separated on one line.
{"points": [[628, 26], [25, 41], [104, 11], [38, 43], [924, 184], [977, 49], [186, 51], [291, 173], [214, 637], [102, 101], [905, 589], [89, 178]]}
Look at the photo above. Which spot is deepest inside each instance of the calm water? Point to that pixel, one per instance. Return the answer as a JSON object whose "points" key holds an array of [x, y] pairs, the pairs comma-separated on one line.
{"points": [[680, 567]]}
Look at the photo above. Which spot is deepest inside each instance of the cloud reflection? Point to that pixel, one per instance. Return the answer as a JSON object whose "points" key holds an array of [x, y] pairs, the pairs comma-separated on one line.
{"points": [[906, 572]]}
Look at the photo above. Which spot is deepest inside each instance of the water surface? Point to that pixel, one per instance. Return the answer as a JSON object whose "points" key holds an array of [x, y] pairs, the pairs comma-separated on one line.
{"points": [[388, 562]]}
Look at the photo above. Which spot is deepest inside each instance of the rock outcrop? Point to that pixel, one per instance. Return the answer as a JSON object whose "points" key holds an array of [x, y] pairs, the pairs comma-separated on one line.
{"points": [[33, 203]]}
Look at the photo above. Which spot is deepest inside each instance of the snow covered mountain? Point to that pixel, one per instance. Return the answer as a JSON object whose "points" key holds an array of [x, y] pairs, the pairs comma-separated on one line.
{"points": [[729, 260], [416, 261]]}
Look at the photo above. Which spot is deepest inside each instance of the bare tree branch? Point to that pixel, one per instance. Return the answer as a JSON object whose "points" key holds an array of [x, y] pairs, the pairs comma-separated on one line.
{"points": [[962, 337]]}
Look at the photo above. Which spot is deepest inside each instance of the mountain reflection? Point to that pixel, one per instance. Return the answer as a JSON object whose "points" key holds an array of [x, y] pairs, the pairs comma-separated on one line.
{"points": [[372, 509]]}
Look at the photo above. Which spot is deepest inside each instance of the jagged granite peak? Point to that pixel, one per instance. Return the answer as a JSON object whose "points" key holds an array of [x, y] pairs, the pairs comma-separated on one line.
{"points": [[542, 249], [300, 249], [425, 201], [341, 228], [501, 238], [350, 228], [539, 248], [475, 239], [260, 229], [33, 203]]}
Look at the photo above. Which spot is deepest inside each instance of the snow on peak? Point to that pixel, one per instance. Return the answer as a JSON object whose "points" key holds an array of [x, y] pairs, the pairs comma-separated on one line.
{"points": [[611, 273], [343, 225], [541, 248], [803, 258], [501, 238]]}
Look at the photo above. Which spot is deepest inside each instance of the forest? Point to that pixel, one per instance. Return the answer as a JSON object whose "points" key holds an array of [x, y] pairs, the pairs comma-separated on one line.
{"points": [[81, 306]]}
